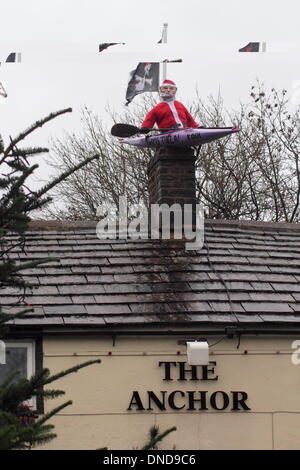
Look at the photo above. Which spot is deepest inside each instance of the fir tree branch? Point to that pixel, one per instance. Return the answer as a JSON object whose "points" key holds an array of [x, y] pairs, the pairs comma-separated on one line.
{"points": [[16, 187], [25, 152], [72, 369], [51, 413], [6, 317], [15, 436], [157, 438], [32, 129], [36, 203], [64, 175], [8, 379], [33, 264], [47, 394]]}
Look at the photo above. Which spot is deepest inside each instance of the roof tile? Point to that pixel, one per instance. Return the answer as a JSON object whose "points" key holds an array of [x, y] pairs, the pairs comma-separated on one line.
{"points": [[261, 307], [285, 287], [108, 309], [62, 279], [65, 310], [226, 307], [81, 289]]}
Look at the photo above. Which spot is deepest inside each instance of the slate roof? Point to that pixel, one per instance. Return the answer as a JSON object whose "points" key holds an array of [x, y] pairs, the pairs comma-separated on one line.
{"points": [[247, 273]]}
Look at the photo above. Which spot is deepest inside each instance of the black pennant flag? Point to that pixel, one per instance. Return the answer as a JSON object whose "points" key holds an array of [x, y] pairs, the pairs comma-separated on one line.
{"points": [[14, 57], [105, 45], [143, 79], [251, 47]]}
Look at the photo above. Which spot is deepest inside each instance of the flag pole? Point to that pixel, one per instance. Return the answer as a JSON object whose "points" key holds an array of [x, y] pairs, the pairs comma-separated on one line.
{"points": [[164, 41]]}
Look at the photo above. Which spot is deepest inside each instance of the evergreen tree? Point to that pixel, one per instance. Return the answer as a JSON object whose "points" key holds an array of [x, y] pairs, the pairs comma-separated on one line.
{"points": [[20, 427], [155, 436]]}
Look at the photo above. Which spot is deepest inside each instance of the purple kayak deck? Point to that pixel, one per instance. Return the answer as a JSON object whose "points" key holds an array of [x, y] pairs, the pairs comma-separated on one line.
{"points": [[187, 137]]}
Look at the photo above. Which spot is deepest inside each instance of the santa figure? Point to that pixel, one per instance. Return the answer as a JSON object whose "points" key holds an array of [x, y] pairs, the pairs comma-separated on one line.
{"points": [[168, 113]]}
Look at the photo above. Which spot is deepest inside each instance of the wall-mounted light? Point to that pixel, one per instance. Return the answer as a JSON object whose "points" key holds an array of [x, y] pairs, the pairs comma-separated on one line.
{"points": [[197, 353]]}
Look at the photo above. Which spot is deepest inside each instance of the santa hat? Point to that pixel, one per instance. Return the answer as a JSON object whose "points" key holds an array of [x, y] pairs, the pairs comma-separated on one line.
{"points": [[168, 82]]}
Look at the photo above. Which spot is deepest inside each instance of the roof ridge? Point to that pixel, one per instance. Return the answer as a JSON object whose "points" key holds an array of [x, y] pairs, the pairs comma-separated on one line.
{"points": [[67, 225]]}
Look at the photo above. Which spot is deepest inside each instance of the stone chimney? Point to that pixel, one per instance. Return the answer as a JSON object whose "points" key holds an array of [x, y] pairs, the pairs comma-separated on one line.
{"points": [[172, 179]]}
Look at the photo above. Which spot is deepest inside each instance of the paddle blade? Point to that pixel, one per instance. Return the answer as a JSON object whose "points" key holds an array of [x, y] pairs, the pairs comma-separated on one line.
{"points": [[124, 130]]}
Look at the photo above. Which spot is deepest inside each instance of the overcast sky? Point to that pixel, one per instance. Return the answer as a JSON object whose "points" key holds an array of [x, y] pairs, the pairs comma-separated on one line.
{"points": [[61, 66]]}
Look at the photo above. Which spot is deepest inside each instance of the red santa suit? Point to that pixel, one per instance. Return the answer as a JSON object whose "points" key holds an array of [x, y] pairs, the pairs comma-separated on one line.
{"points": [[168, 114]]}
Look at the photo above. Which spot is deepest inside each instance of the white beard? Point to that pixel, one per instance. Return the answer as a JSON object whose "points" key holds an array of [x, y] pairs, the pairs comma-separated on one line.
{"points": [[167, 96]]}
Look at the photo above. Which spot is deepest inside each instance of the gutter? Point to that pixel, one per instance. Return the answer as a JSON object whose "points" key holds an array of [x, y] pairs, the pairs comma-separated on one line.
{"points": [[229, 331]]}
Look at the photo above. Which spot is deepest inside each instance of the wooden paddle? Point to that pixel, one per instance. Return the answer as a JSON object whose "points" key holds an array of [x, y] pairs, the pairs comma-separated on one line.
{"points": [[127, 130]]}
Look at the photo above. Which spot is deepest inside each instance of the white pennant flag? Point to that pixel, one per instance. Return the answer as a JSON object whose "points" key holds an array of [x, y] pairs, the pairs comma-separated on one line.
{"points": [[2, 91]]}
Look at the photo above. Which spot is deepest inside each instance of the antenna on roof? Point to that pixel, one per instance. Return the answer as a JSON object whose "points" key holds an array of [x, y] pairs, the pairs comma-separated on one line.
{"points": [[164, 41]]}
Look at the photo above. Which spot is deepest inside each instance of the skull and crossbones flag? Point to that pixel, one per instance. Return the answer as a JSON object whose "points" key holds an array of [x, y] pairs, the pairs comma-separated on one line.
{"points": [[145, 78]]}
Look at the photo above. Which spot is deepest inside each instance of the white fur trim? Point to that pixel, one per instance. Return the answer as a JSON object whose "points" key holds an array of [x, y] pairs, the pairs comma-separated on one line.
{"points": [[174, 112]]}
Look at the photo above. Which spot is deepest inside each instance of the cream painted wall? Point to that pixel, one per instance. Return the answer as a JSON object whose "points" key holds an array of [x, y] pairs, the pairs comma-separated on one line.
{"points": [[101, 394]]}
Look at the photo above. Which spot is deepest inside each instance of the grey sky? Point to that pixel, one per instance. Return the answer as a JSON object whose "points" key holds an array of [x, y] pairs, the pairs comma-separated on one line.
{"points": [[61, 66]]}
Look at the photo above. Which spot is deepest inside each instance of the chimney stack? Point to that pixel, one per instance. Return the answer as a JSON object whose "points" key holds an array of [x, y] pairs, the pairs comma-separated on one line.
{"points": [[172, 180]]}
